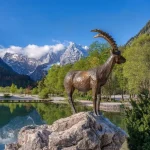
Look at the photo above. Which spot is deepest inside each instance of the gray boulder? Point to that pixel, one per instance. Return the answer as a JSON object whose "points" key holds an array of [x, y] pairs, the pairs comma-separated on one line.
{"points": [[82, 131]]}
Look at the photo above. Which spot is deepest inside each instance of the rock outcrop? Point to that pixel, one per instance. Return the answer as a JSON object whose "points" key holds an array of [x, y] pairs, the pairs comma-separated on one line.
{"points": [[82, 131]]}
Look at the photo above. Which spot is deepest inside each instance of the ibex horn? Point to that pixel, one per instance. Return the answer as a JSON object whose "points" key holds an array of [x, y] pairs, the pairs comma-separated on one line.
{"points": [[107, 37]]}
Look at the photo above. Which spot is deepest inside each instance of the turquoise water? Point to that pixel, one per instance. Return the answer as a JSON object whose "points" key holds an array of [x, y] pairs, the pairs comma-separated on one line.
{"points": [[15, 116]]}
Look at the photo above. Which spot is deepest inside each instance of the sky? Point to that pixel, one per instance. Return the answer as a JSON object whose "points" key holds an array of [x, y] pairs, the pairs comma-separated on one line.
{"points": [[49, 22]]}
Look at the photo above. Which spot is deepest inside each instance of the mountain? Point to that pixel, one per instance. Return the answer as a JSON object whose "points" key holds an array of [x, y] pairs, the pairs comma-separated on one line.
{"points": [[41, 71], [46, 62], [37, 68], [9, 76], [51, 57], [21, 63], [144, 30], [72, 54]]}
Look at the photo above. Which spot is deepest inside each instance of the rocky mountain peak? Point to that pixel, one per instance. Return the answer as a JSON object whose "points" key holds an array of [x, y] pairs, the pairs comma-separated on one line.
{"points": [[73, 53], [21, 63]]}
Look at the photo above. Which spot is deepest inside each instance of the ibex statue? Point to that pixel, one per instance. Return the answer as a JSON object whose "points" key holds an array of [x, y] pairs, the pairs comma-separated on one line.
{"points": [[94, 78]]}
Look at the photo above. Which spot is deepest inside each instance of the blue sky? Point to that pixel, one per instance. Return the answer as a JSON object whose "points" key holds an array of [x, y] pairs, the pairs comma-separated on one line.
{"points": [[40, 22]]}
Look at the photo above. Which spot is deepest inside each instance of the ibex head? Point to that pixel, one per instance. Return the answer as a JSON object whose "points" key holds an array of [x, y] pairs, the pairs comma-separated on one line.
{"points": [[115, 52]]}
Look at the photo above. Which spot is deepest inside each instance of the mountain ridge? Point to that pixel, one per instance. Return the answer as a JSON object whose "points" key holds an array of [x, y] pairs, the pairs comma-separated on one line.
{"points": [[144, 30], [9, 76], [37, 68]]}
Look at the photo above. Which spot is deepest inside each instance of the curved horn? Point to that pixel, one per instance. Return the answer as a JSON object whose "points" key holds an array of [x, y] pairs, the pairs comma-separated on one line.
{"points": [[107, 37]]}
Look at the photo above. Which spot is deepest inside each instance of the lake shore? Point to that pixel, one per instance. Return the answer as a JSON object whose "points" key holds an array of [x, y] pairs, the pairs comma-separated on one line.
{"points": [[105, 106]]}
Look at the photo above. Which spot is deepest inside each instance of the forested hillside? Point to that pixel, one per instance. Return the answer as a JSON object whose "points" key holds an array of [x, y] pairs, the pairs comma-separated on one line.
{"points": [[129, 78], [9, 76]]}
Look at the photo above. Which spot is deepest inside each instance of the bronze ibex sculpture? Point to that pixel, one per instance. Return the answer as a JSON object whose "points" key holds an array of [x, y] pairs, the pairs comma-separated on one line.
{"points": [[94, 78]]}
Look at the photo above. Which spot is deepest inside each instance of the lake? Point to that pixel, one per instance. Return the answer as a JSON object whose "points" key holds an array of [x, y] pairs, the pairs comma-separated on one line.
{"points": [[14, 116]]}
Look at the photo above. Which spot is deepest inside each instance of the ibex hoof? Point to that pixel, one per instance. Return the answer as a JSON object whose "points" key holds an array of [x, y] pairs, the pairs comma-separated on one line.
{"points": [[94, 113], [74, 112], [99, 113]]}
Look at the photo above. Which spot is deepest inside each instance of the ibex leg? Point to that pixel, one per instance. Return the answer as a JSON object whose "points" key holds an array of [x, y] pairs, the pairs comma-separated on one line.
{"points": [[71, 101], [98, 102], [94, 98]]}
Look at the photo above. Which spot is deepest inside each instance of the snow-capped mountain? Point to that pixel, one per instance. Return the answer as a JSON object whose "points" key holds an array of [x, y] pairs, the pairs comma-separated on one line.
{"points": [[73, 53], [41, 71], [51, 57], [21, 63], [37, 67]]}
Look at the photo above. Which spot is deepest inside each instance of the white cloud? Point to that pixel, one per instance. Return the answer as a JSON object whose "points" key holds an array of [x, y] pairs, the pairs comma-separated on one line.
{"points": [[57, 47], [31, 50], [11, 49], [35, 51], [86, 47]]}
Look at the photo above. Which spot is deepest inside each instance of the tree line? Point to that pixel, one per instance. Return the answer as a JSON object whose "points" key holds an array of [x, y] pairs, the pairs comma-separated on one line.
{"points": [[132, 77], [15, 90]]}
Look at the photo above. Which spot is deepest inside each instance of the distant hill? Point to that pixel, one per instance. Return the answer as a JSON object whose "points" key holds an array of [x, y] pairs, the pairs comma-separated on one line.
{"points": [[9, 76], [145, 29]]}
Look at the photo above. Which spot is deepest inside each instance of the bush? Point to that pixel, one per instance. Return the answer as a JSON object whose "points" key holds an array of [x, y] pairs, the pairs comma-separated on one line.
{"points": [[44, 94], [138, 123], [34, 91], [7, 95]]}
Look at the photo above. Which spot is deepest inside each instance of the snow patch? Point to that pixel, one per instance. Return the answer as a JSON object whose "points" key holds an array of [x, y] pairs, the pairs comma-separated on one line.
{"points": [[50, 65]]}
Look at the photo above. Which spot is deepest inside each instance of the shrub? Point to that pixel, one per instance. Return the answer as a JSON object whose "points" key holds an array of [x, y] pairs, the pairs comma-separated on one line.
{"points": [[44, 94], [35, 91], [7, 95], [138, 123]]}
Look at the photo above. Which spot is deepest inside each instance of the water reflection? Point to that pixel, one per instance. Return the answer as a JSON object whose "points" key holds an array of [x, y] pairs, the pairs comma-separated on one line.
{"points": [[51, 112], [14, 116]]}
